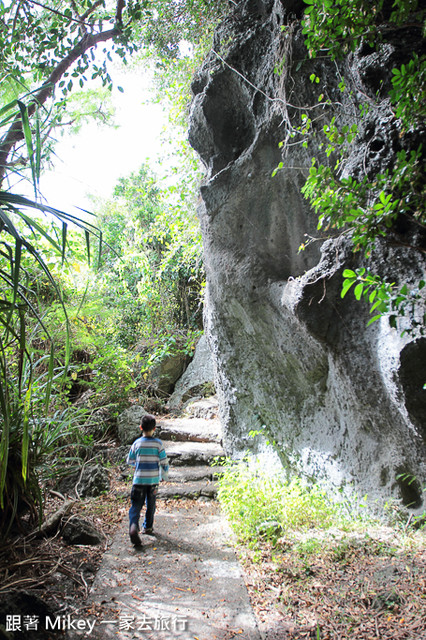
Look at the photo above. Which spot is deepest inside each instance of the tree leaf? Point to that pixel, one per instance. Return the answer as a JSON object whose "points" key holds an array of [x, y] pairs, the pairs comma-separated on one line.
{"points": [[348, 273], [347, 284], [358, 290]]}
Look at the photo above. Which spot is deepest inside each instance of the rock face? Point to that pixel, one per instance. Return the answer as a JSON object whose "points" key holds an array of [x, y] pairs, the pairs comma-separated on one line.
{"points": [[91, 482], [80, 531], [168, 371], [343, 402], [128, 424], [199, 373]]}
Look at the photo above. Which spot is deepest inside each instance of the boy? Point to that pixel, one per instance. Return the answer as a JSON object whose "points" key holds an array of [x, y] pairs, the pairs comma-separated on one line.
{"points": [[147, 454]]}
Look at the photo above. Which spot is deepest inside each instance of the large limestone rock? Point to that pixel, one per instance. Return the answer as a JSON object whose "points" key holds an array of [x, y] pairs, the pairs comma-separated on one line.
{"points": [[199, 373], [128, 424], [344, 402], [166, 373]]}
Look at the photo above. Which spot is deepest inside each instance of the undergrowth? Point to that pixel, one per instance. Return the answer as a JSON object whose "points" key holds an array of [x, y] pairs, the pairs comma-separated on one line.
{"points": [[264, 506]]}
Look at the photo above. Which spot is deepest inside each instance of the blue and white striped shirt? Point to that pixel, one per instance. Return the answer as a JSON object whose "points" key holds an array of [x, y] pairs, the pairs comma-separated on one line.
{"points": [[146, 455]]}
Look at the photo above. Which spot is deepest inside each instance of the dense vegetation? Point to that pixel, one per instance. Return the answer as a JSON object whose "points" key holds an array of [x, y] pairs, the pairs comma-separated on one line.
{"points": [[87, 305]]}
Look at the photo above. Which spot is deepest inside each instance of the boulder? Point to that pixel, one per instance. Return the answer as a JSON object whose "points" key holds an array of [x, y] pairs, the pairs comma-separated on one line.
{"points": [[166, 373], [91, 482], [128, 424], [198, 376], [80, 531]]}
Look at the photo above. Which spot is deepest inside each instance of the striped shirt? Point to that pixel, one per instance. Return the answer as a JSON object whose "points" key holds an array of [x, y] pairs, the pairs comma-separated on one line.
{"points": [[147, 454]]}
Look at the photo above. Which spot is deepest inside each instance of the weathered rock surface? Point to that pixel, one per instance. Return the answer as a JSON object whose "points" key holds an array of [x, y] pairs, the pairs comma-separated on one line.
{"points": [[192, 453], [194, 429], [198, 374], [128, 424], [168, 372], [343, 401], [207, 408], [90, 482], [80, 531]]}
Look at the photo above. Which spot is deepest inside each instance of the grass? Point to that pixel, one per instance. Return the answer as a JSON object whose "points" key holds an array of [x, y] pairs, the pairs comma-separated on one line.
{"points": [[262, 506], [318, 567]]}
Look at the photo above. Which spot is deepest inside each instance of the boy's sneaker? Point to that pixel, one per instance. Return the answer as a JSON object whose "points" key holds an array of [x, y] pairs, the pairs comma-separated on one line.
{"points": [[134, 535], [148, 531]]}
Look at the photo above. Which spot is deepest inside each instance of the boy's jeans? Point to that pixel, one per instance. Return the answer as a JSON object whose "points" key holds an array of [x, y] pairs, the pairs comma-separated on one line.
{"points": [[140, 494]]}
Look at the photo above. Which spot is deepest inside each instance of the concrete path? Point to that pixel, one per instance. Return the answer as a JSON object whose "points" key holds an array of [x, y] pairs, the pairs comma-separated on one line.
{"points": [[185, 581]]}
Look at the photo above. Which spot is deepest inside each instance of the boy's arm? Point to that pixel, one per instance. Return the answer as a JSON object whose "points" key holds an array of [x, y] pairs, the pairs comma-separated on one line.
{"points": [[164, 462], [131, 457]]}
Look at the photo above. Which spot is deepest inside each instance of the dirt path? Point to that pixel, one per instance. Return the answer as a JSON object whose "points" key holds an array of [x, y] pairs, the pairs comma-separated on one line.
{"points": [[185, 581]]}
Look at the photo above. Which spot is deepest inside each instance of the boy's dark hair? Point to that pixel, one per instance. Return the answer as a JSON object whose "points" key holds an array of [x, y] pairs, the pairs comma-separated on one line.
{"points": [[148, 422]]}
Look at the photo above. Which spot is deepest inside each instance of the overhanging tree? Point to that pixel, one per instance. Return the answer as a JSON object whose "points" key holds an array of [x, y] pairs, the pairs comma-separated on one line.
{"points": [[49, 46]]}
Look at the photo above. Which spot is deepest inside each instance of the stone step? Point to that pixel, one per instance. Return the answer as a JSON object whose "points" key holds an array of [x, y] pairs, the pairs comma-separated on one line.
{"points": [[189, 429], [191, 490], [192, 453], [188, 482], [191, 444], [194, 474], [191, 482]]}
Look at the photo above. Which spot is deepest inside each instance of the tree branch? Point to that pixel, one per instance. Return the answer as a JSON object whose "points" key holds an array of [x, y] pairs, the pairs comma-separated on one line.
{"points": [[15, 132], [92, 9], [119, 13], [79, 19]]}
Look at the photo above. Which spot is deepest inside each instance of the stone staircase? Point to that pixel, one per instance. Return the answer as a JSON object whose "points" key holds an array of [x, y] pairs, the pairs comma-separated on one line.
{"points": [[192, 442]]}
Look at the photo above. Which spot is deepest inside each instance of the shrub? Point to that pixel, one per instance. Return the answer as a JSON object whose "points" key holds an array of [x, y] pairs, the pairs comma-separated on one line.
{"points": [[251, 496]]}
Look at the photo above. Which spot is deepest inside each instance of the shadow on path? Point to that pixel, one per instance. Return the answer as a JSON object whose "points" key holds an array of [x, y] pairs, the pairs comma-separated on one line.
{"points": [[184, 582]]}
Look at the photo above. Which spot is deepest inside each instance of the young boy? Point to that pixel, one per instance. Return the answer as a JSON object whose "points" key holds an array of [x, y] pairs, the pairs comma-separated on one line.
{"points": [[146, 454]]}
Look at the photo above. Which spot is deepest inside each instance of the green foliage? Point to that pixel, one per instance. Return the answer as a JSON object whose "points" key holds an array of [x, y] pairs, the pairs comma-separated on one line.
{"points": [[96, 362], [166, 24], [24, 373], [47, 52], [408, 93], [156, 264], [84, 106], [377, 208], [368, 210], [251, 495], [47, 56], [151, 277], [385, 298], [36, 38], [166, 345], [271, 512], [337, 27], [35, 443], [141, 195]]}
